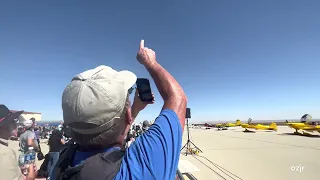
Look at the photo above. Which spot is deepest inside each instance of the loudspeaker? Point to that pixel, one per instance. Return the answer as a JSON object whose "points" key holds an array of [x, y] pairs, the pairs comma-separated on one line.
{"points": [[188, 113]]}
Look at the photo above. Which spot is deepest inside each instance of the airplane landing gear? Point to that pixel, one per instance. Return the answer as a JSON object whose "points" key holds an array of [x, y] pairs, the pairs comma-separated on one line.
{"points": [[248, 131], [298, 133]]}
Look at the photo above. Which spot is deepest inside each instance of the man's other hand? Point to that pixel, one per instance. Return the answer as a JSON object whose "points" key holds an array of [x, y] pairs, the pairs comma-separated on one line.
{"points": [[146, 56], [32, 172], [138, 104]]}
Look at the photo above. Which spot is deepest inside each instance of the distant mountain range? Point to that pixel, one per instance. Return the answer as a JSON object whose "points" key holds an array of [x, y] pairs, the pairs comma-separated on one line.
{"points": [[253, 121], [282, 121]]}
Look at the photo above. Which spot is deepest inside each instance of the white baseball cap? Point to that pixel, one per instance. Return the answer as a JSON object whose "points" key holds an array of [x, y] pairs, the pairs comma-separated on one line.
{"points": [[97, 96], [28, 123]]}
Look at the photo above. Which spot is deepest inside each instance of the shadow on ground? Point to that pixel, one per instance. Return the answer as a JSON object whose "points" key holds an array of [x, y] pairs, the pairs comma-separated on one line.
{"points": [[303, 135]]}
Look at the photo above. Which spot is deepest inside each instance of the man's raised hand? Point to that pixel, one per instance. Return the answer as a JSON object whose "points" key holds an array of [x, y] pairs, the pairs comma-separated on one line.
{"points": [[145, 55], [138, 104]]}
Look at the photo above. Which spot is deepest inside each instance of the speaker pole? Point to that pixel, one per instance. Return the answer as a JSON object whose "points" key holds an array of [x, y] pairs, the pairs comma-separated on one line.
{"points": [[188, 144]]}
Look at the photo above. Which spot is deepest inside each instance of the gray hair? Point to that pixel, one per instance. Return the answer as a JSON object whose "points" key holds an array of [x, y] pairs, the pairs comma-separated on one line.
{"points": [[105, 138]]}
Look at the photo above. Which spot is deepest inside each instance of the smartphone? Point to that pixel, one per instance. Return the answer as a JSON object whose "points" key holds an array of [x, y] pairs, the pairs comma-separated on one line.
{"points": [[144, 89]]}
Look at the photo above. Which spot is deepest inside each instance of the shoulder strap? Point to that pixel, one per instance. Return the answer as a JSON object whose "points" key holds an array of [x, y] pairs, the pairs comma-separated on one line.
{"points": [[104, 166], [113, 157], [72, 173]]}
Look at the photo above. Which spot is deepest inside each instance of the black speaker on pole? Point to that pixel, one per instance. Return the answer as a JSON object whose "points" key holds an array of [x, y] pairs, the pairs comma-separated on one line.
{"points": [[189, 143], [188, 113]]}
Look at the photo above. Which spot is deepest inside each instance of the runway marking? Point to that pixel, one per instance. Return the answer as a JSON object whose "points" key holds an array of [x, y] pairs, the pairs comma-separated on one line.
{"points": [[224, 174], [188, 176], [187, 166]]}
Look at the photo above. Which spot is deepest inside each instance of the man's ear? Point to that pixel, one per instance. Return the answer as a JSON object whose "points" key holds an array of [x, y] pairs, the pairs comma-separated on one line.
{"points": [[129, 116]]}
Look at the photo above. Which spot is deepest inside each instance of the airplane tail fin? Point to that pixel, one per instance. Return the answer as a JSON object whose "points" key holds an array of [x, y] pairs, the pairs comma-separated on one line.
{"points": [[274, 126], [238, 122]]}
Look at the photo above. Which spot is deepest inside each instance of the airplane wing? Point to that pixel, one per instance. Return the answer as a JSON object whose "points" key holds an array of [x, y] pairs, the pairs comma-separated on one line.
{"points": [[311, 128]]}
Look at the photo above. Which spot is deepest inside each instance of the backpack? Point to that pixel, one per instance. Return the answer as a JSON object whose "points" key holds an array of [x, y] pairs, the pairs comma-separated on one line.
{"points": [[102, 166]]}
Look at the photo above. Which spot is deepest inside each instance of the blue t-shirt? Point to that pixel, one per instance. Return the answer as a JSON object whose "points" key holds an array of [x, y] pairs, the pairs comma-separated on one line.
{"points": [[154, 155]]}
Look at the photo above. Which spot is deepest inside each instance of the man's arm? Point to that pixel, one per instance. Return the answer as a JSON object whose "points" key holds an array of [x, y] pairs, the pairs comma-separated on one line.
{"points": [[30, 141], [32, 144], [134, 112], [170, 90], [155, 154]]}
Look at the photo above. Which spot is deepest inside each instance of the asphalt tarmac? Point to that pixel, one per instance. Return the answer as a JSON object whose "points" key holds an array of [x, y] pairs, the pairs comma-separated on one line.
{"points": [[234, 155]]}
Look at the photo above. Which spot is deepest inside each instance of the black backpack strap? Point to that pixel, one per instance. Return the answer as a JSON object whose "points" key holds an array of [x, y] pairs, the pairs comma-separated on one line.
{"points": [[113, 157], [72, 173], [65, 159], [104, 166]]}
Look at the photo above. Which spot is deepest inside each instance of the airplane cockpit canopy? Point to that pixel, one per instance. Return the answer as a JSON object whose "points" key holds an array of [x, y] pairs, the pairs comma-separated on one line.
{"points": [[305, 118]]}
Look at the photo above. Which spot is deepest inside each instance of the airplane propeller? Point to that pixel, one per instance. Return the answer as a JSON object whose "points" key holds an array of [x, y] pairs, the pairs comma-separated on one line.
{"points": [[305, 118], [249, 120]]}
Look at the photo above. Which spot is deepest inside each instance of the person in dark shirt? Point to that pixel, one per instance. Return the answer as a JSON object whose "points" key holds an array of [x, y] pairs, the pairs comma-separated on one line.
{"points": [[55, 143]]}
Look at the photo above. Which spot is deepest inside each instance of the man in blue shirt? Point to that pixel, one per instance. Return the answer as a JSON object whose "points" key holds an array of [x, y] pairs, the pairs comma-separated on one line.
{"points": [[96, 108]]}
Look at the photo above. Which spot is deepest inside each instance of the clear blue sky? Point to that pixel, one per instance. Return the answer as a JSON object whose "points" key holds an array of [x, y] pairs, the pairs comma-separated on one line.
{"points": [[234, 59]]}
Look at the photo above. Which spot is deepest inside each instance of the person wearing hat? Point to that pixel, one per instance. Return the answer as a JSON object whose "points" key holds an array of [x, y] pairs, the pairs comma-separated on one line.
{"points": [[145, 125], [28, 138], [9, 168], [96, 107], [36, 130]]}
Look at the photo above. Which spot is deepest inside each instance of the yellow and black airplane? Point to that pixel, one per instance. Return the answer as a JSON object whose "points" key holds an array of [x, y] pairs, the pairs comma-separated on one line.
{"points": [[271, 127], [226, 125], [304, 125]]}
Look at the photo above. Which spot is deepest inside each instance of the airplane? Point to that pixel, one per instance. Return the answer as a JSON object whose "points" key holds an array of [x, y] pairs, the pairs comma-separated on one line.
{"points": [[226, 125], [209, 126], [304, 125], [272, 126]]}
